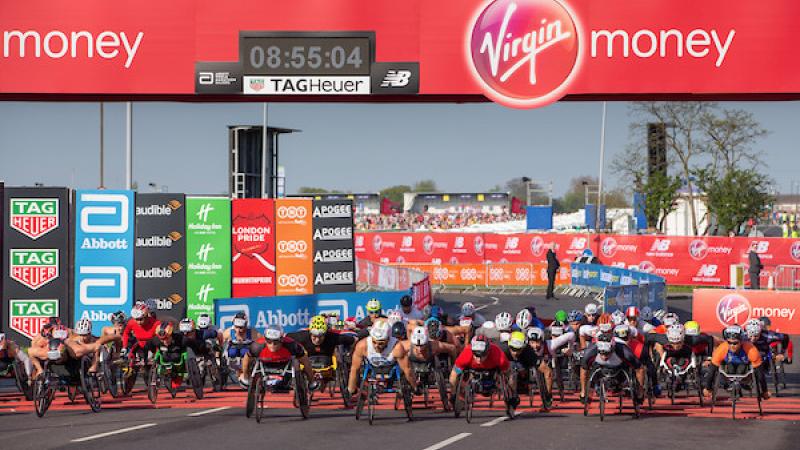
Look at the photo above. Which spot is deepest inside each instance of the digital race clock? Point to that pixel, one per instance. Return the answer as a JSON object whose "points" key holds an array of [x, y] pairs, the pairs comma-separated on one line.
{"points": [[289, 53]]}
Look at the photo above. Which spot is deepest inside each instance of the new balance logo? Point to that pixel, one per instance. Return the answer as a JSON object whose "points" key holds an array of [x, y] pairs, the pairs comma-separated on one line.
{"points": [[202, 214], [202, 254], [396, 78]]}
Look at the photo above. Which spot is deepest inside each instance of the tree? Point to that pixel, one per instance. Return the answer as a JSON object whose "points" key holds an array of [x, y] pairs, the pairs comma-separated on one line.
{"points": [[575, 197], [425, 186], [311, 190], [395, 193], [661, 194], [518, 187], [735, 197], [732, 134]]}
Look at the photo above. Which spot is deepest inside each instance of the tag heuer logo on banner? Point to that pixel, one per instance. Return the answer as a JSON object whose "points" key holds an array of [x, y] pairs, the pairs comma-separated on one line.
{"points": [[27, 317], [33, 217], [33, 268]]}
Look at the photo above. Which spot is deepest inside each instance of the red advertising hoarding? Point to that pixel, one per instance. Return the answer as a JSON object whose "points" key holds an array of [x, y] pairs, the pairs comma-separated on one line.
{"points": [[253, 247], [715, 309]]}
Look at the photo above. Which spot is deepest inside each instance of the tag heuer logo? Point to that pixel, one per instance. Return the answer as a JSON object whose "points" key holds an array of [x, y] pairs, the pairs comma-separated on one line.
{"points": [[257, 84], [34, 217], [33, 268], [27, 317]]}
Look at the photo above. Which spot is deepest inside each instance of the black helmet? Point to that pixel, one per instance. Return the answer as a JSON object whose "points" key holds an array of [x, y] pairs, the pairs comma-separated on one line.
{"points": [[765, 321], [406, 301], [399, 330]]}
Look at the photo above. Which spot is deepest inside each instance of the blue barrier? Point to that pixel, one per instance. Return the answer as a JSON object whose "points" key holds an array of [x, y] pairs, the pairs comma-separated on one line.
{"points": [[646, 294], [596, 275], [539, 217], [294, 312]]}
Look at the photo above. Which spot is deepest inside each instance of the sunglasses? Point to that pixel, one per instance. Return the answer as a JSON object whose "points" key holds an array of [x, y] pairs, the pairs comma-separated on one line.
{"points": [[273, 341], [734, 342]]}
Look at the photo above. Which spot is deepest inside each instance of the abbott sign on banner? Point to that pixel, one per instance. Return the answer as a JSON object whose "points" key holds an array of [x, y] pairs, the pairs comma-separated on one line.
{"points": [[36, 259], [104, 243], [715, 309], [293, 313], [208, 253], [294, 257], [253, 247]]}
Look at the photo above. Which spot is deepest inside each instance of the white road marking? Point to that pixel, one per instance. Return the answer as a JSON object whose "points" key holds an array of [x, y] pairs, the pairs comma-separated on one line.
{"points": [[494, 422], [494, 303], [448, 441], [208, 411], [111, 433]]}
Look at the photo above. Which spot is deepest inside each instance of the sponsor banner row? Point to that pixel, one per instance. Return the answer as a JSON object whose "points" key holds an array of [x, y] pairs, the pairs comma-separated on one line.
{"points": [[682, 260], [489, 275], [293, 313], [715, 309]]}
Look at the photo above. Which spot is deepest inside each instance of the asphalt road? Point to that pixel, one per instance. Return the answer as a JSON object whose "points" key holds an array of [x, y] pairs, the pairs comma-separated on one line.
{"points": [[218, 420]]}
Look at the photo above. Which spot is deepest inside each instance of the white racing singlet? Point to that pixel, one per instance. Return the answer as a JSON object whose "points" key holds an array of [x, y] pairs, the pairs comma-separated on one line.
{"points": [[384, 358]]}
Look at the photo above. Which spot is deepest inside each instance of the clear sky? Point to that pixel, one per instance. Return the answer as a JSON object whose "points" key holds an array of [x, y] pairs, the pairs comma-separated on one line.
{"points": [[351, 147]]}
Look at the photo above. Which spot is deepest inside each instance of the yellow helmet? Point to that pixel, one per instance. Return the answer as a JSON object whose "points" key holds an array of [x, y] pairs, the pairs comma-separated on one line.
{"points": [[692, 328], [517, 340], [318, 325]]}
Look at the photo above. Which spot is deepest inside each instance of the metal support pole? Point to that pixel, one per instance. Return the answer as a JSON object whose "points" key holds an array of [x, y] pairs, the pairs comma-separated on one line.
{"points": [[102, 147], [602, 161], [128, 145], [264, 176]]}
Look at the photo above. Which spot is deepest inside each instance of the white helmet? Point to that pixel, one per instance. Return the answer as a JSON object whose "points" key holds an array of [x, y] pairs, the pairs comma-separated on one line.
{"points": [[137, 312], [83, 327], [467, 309], [203, 321], [675, 333], [489, 330], [618, 317], [524, 319], [380, 330], [505, 336], [659, 314], [671, 319], [503, 321], [605, 328], [646, 313], [394, 317], [419, 336], [274, 332], [753, 328], [534, 334], [591, 308]]}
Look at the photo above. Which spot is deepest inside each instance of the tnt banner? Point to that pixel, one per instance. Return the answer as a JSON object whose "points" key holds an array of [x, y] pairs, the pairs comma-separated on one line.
{"points": [[35, 259], [208, 253], [104, 243], [334, 263], [293, 231], [160, 253], [253, 247]]}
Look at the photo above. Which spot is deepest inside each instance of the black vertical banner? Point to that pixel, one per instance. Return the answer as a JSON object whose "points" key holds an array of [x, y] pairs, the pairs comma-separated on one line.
{"points": [[334, 256], [160, 253], [35, 259]]}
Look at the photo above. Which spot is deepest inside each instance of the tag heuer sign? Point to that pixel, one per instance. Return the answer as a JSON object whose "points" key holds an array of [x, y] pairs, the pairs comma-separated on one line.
{"points": [[33, 217], [27, 317], [33, 268]]}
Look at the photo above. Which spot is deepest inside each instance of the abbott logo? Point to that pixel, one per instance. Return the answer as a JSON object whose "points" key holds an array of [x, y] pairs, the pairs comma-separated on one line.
{"points": [[202, 254], [292, 246], [396, 78], [333, 307], [292, 280], [228, 312], [202, 213], [114, 208], [524, 52], [292, 212], [109, 277]]}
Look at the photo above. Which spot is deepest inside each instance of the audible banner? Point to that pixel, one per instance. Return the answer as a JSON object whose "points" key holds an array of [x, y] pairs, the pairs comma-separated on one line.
{"points": [[334, 264], [160, 253], [208, 253], [35, 259], [293, 258], [104, 240], [253, 247]]}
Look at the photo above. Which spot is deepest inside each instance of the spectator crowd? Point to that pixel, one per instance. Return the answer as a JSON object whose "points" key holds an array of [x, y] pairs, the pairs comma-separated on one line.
{"points": [[443, 221]]}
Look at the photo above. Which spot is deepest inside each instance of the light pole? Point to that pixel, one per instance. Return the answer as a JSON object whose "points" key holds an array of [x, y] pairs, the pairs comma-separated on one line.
{"points": [[602, 161]]}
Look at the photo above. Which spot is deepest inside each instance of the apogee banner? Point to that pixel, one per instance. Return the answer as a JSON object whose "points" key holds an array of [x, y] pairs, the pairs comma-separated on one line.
{"points": [[104, 242], [253, 247], [35, 259], [334, 261], [160, 254], [208, 253]]}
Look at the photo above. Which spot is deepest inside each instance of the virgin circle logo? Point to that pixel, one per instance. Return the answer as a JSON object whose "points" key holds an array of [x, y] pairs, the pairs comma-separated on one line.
{"points": [[608, 247], [698, 249], [524, 53], [537, 245], [733, 309], [795, 250], [647, 267]]}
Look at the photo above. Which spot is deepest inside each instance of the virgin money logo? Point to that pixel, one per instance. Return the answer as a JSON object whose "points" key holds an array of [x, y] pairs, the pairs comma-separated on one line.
{"points": [[647, 267], [795, 251], [698, 249], [524, 53], [427, 244], [537, 245], [608, 247], [377, 244], [478, 245], [733, 309]]}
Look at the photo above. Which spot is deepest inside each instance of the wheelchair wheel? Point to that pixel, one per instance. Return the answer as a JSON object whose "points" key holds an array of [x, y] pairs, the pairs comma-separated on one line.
{"points": [[602, 399], [22, 381], [43, 393], [361, 399], [259, 393], [301, 390], [90, 386], [152, 386], [408, 405], [252, 397], [372, 400], [469, 401], [194, 377], [441, 386], [72, 393]]}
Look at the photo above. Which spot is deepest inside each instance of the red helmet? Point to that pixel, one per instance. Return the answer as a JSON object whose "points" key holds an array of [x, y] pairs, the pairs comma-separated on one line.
{"points": [[632, 311]]}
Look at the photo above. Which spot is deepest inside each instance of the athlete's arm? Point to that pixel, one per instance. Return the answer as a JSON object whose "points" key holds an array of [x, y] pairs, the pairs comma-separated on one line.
{"points": [[355, 367]]}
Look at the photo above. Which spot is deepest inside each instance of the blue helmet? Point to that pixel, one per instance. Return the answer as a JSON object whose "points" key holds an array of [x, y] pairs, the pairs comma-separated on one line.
{"points": [[434, 326], [436, 311], [575, 316]]}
